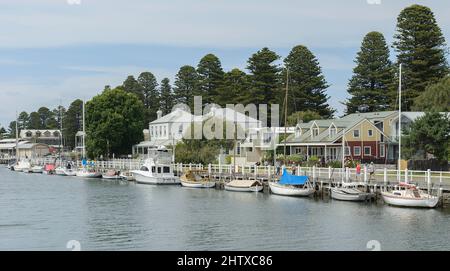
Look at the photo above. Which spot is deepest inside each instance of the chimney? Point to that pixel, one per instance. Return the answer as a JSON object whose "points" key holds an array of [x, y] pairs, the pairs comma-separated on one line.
{"points": [[158, 114]]}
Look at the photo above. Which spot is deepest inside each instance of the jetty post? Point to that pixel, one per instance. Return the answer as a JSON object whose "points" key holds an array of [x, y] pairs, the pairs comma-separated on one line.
{"points": [[385, 179], [429, 181], [406, 175]]}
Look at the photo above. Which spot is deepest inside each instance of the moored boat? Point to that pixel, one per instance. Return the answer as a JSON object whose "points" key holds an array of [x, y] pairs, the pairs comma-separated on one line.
{"points": [[349, 194], [407, 195], [112, 175], [86, 173], [37, 169], [291, 185], [49, 169], [193, 179], [126, 176], [155, 173], [23, 165], [244, 186]]}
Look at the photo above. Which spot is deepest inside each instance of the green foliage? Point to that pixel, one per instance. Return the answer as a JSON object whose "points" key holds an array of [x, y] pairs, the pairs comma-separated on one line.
{"points": [[72, 123], [166, 102], [3, 132], [23, 120], [148, 88], [264, 88], [429, 134], [302, 116], [373, 76], [435, 97], [186, 85], [421, 49], [114, 121], [47, 119], [313, 161], [236, 84], [131, 85], [210, 75], [35, 121], [307, 84], [334, 164]]}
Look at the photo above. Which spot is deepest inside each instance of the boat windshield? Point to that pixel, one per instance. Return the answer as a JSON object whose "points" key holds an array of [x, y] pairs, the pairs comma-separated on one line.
{"points": [[144, 169]]}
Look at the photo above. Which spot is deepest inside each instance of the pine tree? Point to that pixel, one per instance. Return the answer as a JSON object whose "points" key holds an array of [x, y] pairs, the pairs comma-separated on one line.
{"points": [[435, 97], [372, 77], [235, 84], [421, 49], [186, 86], [149, 89], [131, 85], [210, 75], [307, 84], [167, 101], [263, 78], [23, 120]]}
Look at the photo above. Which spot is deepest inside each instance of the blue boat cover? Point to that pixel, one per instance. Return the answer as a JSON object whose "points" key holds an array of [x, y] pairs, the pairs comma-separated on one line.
{"points": [[287, 179]]}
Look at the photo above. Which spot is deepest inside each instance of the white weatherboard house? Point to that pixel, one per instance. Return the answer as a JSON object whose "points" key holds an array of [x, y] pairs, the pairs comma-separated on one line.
{"points": [[169, 129]]}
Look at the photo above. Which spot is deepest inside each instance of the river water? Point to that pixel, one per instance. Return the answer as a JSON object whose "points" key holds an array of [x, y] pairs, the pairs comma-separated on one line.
{"points": [[39, 212]]}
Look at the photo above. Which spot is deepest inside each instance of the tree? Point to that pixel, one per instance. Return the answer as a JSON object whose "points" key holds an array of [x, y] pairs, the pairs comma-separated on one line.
{"points": [[35, 121], [114, 121], [59, 113], [131, 85], [3, 132], [263, 78], [47, 118], [210, 75], [186, 86], [435, 97], [149, 88], [429, 134], [23, 120], [235, 84], [302, 116], [12, 129], [307, 84], [421, 49], [166, 103], [373, 76], [73, 122]]}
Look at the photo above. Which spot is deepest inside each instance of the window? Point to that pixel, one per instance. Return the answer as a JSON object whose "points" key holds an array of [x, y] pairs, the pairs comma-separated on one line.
{"points": [[298, 132], [180, 129], [159, 169], [38, 134], [370, 133], [367, 150], [164, 129], [315, 132], [151, 130], [47, 134], [56, 134], [356, 134], [347, 151], [144, 169], [357, 151], [379, 125], [153, 169], [166, 169], [29, 134], [382, 154], [333, 132]]}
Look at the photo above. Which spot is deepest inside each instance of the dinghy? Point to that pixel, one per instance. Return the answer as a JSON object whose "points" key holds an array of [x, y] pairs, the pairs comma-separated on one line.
{"points": [[349, 194], [291, 185], [193, 179], [244, 186], [111, 175]]}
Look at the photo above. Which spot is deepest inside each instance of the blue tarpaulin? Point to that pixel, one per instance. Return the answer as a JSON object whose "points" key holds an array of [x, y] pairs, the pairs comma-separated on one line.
{"points": [[289, 179]]}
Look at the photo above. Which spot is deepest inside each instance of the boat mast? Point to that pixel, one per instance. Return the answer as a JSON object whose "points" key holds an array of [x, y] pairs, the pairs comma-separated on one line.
{"points": [[84, 132], [285, 114], [234, 149], [17, 139], [399, 121], [61, 135]]}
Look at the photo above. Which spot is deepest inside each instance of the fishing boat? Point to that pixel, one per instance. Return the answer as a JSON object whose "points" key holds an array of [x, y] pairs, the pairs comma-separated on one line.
{"points": [[350, 192], [193, 179], [111, 175], [244, 186], [291, 185], [408, 195], [153, 172]]}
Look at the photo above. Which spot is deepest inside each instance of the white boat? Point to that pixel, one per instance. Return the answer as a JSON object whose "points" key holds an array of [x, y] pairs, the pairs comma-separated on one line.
{"points": [[111, 175], [193, 179], [407, 195], [155, 173], [291, 185], [23, 165], [63, 171], [37, 169], [244, 186], [126, 176], [349, 194], [85, 173]]}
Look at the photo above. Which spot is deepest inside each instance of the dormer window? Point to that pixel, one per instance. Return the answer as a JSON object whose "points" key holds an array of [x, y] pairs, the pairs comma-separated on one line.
{"points": [[298, 132], [332, 130], [38, 134], [47, 134], [29, 134]]}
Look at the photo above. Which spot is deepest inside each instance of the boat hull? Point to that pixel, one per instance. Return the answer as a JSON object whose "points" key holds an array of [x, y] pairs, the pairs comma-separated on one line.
{"points": [[108, 177], [257, 188], [349, 195], [160, 180], [198, 184], [37, 169], [82, 174], [291, 191], [392, 200]]}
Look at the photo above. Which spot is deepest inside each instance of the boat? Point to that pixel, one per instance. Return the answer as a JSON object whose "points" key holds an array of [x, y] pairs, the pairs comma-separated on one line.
{"points": [[112, 175], [244, 186], [49, 169], [87, 173], [350, 192], [152, 172], [37, 169], [126, 176], [23, 165], [65, 171], [291, 185], [408, 195], [193, 179]]}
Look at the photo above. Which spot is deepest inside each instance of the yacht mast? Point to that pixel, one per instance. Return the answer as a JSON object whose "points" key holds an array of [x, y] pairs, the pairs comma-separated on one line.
{"points": [[84, 131], [285, 114], [17, 139], [399, 121]]}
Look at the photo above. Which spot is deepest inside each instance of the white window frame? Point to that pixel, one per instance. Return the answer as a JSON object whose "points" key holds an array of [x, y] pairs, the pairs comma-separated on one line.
{"points": [[382, 150], [357, 148], [370, 133], [347, 151], [370, 151], [359, 133]]}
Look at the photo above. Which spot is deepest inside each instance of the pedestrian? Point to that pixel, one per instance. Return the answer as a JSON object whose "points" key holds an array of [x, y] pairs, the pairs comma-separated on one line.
{"points": [[371, 170], [278, 168], [358, 171]]}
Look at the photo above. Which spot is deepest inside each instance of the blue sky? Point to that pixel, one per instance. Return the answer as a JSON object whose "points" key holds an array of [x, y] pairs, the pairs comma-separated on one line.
{"points": [[52, 51]]}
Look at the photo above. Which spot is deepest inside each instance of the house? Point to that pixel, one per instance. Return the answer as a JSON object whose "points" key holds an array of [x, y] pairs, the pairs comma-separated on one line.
{"points": [[48, 137], [8, 147], [32, 150], [170, 129]]}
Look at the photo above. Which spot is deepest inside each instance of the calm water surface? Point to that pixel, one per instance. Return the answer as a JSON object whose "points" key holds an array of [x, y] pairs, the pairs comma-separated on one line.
{"points": [[39, 212]]}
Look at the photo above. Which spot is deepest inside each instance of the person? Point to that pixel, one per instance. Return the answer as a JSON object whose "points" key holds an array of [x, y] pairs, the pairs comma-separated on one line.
{"points": [[278, 167], [358, 171], [371, 170], [294, 169]]}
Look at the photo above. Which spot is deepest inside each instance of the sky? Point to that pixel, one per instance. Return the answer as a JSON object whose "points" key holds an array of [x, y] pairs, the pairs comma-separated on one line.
{"points": [[55, 51]]}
